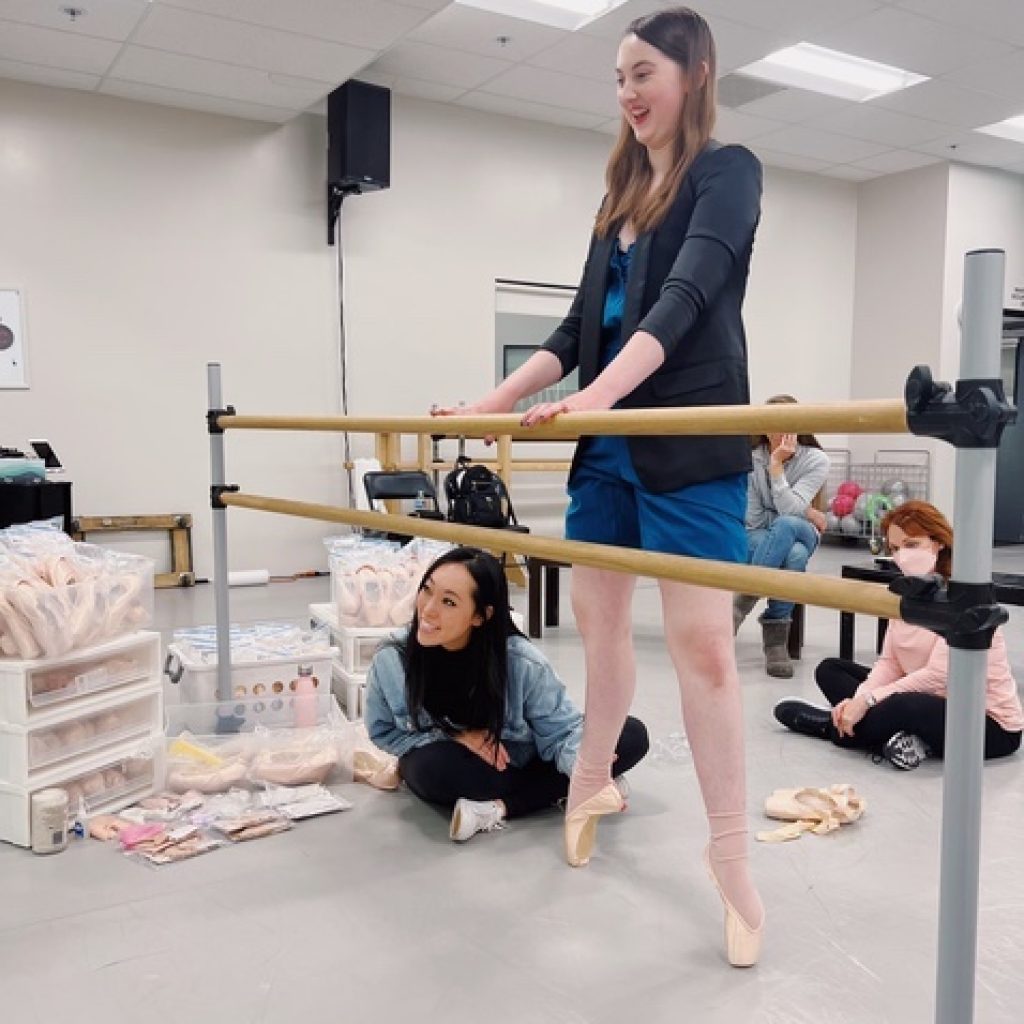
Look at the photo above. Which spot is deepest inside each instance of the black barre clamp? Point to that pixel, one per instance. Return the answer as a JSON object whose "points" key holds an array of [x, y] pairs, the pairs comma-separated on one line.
{"points": [[965, 615], [973, 415], [213, 415], [217, 491]]}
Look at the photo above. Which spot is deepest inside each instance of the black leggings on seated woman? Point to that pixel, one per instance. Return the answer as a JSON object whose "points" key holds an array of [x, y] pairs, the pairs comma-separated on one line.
{"points": [[446, 771], [922, 714]]}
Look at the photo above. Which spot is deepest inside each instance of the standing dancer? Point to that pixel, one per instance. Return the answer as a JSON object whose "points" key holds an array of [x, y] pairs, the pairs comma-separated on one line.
{"points": [[656, 323]]}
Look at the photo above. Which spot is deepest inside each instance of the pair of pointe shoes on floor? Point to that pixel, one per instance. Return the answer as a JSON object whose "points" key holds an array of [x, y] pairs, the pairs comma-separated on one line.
{"points": [[742, 942]]}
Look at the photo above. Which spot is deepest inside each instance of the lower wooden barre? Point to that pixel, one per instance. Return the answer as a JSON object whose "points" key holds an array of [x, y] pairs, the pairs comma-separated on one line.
{"points": [[802, 588]]}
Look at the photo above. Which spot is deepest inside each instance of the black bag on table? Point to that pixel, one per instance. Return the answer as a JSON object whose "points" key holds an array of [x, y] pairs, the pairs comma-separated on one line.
{"points": [[478, 497]]}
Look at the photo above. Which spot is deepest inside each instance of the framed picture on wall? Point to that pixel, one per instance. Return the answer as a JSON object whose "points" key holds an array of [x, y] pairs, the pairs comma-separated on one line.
{"points": [[13, 346]]}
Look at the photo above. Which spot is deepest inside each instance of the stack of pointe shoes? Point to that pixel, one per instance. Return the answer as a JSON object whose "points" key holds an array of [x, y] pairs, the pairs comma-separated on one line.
{"points": [[742, 942], [378, 595]]}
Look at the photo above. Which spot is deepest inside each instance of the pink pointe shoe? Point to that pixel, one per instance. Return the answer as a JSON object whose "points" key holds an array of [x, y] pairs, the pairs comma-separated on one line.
{"points": [[581, 824], [742, 943]]}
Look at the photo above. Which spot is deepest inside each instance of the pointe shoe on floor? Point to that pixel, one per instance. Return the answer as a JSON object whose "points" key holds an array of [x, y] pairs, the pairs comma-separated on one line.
{"points": [[581, 824], [824, 809], [742, 943]]}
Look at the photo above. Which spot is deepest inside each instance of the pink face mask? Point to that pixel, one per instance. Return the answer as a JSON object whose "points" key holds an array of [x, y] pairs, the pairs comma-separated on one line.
{"points": [[916, 561]]}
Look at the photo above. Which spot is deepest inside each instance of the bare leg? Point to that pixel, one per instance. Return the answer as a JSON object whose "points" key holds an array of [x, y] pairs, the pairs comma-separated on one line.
{"points": [[602, 603], [698, 630]]}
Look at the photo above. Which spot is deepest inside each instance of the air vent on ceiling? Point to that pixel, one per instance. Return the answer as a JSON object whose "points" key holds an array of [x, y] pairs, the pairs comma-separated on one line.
{"points": [[738, 90]]}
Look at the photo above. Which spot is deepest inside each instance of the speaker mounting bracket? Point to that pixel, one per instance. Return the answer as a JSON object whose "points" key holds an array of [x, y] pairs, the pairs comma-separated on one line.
{"points": [[335, 197]]}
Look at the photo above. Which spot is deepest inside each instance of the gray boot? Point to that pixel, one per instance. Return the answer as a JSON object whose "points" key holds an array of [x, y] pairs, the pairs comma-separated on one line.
{"points": [[742, 606], [775, 635]]}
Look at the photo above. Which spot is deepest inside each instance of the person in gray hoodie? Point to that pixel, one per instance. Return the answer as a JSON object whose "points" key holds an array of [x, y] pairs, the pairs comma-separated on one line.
{"points": [[783, 527]]}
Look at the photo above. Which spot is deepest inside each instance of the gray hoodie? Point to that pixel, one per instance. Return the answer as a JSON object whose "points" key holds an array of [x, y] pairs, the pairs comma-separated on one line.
{"points": [[789, 495]]}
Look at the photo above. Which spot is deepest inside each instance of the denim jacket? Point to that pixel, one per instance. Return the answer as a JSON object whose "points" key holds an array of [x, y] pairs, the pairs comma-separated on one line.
{"points": [[540, 719]]}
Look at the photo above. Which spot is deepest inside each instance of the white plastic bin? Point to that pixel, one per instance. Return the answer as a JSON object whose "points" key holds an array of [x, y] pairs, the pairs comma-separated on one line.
{"points": [[234, 716], [350, 689], [263, 680], [98, 783], [29, 689], [27, 750], [356, 644]]}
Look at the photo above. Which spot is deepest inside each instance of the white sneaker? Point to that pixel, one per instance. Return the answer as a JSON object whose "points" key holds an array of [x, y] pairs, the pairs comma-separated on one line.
{"points": [[472, 816]]}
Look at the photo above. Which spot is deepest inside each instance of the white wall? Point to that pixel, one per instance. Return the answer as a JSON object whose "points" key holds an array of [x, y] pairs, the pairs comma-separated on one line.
{"points": [[150, 241], [897, 322]]}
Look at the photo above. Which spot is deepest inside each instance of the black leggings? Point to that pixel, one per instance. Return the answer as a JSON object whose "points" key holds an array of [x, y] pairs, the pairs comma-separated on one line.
{"points": [[442, 772], [923, 714]]}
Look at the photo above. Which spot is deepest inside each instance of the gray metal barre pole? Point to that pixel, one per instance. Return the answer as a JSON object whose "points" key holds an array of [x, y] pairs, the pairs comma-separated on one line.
{"points": [[220, 543], [973, 513]]}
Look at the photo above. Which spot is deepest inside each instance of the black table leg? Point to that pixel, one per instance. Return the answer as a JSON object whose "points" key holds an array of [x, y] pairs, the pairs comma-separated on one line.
{"points": [[551, 595], [883, 625], [846, 637], [534, 585]]}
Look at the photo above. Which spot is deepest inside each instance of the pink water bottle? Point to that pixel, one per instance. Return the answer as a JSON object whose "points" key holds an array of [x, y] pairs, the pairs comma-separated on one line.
{"points": [[305, 698]]}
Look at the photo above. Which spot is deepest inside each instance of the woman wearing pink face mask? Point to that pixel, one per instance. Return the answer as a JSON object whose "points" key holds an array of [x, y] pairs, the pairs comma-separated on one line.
{"points": [[898, 708]]}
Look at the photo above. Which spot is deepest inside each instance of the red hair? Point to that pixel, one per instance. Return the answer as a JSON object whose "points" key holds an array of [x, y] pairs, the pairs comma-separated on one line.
{"points": [[922, 519]]}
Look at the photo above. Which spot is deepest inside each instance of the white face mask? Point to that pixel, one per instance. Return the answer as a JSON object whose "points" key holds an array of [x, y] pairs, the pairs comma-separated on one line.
{"points": [[916, 561]]}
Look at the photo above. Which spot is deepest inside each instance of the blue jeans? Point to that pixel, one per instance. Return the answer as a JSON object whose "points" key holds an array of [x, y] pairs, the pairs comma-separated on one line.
{"points": [[787, 544]]}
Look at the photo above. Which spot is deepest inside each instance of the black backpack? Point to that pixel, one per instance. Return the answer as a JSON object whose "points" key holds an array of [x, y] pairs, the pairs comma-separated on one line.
{"points": [[477, 497]]}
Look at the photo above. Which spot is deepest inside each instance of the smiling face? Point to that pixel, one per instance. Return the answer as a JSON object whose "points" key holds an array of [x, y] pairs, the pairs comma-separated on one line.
{"points": [[446, 609], [652, 91]]}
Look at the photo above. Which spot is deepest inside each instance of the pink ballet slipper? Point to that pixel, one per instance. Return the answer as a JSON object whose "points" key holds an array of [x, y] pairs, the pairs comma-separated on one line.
{"points": [[350, 598], [403, 599], [373, 587], [18, 640], [294, 766]]}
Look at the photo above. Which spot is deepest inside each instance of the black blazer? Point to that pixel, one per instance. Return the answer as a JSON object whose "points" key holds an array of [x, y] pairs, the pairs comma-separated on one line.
{"points": [[686, 285]]}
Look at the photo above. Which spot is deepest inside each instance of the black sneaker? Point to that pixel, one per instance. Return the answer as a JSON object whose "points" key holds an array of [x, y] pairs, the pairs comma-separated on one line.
{"points": [[904, 750], [802, 717]]}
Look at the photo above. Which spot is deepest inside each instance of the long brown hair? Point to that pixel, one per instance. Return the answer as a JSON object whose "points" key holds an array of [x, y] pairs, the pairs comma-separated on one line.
{"points": [[922, 519], [807, 440], [684, 36]]}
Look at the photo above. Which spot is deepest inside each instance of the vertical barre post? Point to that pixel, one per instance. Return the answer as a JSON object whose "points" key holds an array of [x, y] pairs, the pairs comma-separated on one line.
{"points": [[220, 543], [973, 513]]}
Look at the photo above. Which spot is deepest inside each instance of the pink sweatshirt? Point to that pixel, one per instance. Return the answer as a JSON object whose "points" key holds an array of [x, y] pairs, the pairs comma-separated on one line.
{"points": [[916, 660]]}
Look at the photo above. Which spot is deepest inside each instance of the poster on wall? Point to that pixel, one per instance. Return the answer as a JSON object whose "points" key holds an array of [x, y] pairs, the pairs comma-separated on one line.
{"points": [[13, 361]]}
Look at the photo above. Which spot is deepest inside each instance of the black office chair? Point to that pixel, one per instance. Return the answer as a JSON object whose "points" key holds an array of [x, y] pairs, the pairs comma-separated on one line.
{"points": [[402, 485]]}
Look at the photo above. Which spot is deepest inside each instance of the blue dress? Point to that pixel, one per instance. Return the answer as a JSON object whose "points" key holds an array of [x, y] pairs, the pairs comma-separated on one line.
{"points": [[609, 505]]}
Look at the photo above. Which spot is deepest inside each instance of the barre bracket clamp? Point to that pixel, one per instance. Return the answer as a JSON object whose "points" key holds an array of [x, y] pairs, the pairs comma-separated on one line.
{"points": [[973, 415]]}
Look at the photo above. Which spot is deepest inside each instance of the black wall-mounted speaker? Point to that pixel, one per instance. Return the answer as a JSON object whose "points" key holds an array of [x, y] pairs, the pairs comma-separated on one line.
{"points": [[359, 137]]}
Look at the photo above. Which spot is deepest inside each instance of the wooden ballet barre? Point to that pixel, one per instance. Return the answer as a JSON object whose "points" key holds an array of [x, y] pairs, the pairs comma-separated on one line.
{"points": [[874, 416], [802, 588]]}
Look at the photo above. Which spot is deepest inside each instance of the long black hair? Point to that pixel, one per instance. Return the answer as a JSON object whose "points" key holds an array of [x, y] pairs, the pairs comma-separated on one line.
{"points": [[487, 651]]}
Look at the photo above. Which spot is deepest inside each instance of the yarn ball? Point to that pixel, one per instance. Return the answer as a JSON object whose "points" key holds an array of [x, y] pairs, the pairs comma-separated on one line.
{"points": [[850, 525], [842, 505], [850, 487]]}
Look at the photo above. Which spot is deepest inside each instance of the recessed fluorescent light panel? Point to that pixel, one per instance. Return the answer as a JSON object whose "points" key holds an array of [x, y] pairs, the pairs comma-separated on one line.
{"points": [[566, 14], [806, 66], [1012, 128]]}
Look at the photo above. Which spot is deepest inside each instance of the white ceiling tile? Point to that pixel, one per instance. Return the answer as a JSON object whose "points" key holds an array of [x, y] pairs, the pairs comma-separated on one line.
{"points": [[50, 48], [876, 124], [821, 145], [790, 161], [939, 100], [439, 64], [554, 89], [57, 77], [476, 31], [531, 111], [584, 56], [733, 126], [975, 148], [737, 45], [427, 90], [789, 15], [1003, 77], [894, 161], [106, 19], [850, 172], [895, 36], [368, 24], [195, 101], [192, 74], [427, 5], [252, 46], [613, 25], [793, 105], [998, 19]]}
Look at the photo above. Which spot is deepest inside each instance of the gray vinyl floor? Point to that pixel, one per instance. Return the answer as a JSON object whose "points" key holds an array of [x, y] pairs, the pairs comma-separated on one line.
{"points": [[374, 915]]}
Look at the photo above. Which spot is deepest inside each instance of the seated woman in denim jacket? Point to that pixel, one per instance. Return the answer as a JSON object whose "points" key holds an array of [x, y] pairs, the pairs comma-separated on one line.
{"points": [[473, 711], [783, 527]]}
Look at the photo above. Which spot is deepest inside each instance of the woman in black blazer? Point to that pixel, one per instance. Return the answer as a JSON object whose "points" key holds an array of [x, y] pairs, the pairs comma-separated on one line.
{"points": [[656, 323]]}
